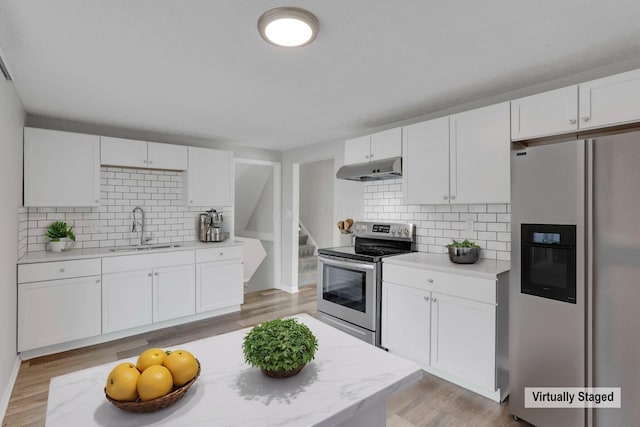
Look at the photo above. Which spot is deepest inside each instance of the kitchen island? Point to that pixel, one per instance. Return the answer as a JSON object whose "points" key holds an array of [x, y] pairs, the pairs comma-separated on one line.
{"points": [[347, 383]]}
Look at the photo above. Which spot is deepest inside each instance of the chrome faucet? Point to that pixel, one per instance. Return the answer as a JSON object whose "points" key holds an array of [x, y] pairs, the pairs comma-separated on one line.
{"points": [[140, 224]]}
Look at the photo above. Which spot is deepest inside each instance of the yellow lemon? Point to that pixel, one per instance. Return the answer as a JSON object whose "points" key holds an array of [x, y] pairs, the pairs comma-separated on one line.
{"points": [[122, 382], [154, 382], [183, 366], [150, 357]]}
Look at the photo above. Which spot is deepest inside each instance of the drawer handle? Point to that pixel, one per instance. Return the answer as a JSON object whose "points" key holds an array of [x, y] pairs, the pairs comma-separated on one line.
{"points": [[430, 280], [221, 253], [62, 270]]}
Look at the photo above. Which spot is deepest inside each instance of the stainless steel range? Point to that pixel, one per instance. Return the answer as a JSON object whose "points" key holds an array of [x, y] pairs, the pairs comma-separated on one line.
{"points": [[350, 277]]}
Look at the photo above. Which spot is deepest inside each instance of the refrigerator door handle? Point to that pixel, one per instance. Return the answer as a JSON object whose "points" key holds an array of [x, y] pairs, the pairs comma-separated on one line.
{"points": [[589, 291]]}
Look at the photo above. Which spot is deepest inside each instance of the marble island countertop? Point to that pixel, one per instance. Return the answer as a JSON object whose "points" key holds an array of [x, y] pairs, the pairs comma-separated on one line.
{"points": [[483, 268], [347, 378], [71, 254]]}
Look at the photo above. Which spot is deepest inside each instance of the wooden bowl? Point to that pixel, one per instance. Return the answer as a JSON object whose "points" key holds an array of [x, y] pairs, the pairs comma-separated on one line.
{"points": [[140, 406]]}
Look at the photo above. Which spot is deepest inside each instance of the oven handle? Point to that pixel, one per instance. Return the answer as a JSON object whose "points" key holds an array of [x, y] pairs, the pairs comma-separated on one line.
{"points": [[349, 264]]}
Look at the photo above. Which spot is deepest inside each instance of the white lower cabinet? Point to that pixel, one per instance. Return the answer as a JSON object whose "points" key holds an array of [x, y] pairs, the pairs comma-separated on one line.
{"points": [[446, 323], [219, 284], [463, 338], [403, 309], [138, 298], [74, 303], [56, 311], [173, 292], [126, 300]]}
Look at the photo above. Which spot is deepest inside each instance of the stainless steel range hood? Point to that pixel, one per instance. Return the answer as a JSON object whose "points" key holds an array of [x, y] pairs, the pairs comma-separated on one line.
{"points": [[372, 171]]}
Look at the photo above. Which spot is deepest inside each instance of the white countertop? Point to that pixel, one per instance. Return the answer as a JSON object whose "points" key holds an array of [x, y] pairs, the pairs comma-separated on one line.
{"points": [[347, 377], [46, 256], [483, 268]]}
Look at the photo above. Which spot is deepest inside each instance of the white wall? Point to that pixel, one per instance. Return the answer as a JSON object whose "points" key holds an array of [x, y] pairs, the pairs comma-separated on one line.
{"points": [[347, 201], [316, 201], [12, 118]]}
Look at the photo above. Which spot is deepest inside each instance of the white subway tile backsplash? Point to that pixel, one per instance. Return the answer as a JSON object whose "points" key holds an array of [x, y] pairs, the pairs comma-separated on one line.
{"points": [[157, 192], [437, 225]]}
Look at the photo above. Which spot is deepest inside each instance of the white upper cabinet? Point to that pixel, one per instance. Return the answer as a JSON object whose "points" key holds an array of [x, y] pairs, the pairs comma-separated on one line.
{"points": [[463, 158], [425, 162], [357, 150], [167, 156], [61, 168], [381, 145], [386, 144], [544, 114], [123, 152], [142, 154], [480, 155], [610, 101], [209, 178]]}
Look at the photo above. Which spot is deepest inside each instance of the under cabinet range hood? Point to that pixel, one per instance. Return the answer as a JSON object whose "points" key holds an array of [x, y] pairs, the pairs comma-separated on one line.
{"points": [[372, 171]]}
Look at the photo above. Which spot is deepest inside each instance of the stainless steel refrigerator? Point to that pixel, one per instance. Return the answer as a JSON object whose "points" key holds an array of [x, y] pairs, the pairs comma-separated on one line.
{"points": [[588, 335]]}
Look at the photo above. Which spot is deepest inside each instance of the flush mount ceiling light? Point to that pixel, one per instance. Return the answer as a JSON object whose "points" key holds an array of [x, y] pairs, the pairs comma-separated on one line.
{"points": [[288, 26]]}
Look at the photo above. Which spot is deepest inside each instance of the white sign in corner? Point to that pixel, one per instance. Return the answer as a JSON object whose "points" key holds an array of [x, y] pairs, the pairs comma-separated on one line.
{"points": [[254, 254], [572, 397]]}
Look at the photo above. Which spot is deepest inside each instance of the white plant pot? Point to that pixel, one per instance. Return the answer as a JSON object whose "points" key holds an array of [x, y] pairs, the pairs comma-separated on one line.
{"points": [[57, 246]]}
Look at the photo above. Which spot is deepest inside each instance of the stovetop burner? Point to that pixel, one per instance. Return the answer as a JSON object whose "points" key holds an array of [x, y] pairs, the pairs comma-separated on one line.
{"points": [[375, 240]]}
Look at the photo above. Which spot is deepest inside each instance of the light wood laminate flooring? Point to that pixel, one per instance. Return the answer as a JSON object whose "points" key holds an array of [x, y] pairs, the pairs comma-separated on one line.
{"points": [[430, 402]]}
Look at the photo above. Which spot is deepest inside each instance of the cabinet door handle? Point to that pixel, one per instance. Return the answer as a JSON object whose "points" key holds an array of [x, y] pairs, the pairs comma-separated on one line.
{"points": [[221, 253], [426, 298], [150, 274], [430, 280], [98, 281], [434, 299], [97, 201], [572, 121], [453, 197], [585, 118], [155, 274], [150, 162], [62, 270], [144, 161], [445, 197]]}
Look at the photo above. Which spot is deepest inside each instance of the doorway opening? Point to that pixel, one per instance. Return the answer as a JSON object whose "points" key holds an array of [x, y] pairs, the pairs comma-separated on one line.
{"points": [[315, 216], [257, 221]]}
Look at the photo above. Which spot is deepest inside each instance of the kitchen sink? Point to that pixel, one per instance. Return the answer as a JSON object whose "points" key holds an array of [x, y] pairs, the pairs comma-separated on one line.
{"points": [[144, 248]]}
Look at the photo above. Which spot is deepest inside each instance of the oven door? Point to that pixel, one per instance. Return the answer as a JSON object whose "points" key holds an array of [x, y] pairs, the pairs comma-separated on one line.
{"points": [[347, 290]]}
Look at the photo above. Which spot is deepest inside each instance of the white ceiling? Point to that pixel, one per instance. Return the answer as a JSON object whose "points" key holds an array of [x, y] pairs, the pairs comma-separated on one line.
{"points": [[199, 67]]}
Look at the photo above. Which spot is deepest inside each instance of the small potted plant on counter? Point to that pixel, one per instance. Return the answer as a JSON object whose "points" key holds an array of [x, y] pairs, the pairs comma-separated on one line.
{"points": [[280, 347], [465, 252], [58, 231]]}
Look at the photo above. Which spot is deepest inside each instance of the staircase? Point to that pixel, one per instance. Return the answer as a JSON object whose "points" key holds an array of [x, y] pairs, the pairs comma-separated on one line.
{"points": [[307, 261]]}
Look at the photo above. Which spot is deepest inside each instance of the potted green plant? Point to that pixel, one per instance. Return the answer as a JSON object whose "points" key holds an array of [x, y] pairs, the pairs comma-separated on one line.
{"points": [[280, 347], [465, 252], [57, 231]]}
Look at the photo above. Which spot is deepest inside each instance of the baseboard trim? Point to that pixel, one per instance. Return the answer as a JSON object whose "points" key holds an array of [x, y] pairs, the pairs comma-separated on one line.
{"points": [[293, 289], [6, 393]]}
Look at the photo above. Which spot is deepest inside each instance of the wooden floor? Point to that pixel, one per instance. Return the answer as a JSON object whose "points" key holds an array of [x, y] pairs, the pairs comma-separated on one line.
{"points": [[430, 402]]}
